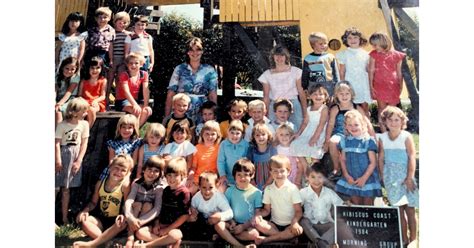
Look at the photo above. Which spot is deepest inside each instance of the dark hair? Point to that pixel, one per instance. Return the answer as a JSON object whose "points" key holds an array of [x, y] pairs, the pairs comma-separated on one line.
{"points": [[283, 102], [355, 32], [140, 18], [74, 16], [180, 126], [94, 61], [316, 167], [208, 105], [243, 165], [60, 75], [279, 50]]}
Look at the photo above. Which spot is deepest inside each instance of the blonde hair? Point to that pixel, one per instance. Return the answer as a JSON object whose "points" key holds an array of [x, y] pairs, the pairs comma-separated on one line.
{"points": [[181, 96], [236, 125], [122, 16], [177, 165], [208, 177], [280, 161], [281, 128], [261, 128], [211, 125], [135, 55], [354, 114], [341, 85], [389, 111], [75, 105], [315, 36], [127, 119], [155, 129], [122, 160], [237, 102], [255, 104], [381, 39], [103, 11]]}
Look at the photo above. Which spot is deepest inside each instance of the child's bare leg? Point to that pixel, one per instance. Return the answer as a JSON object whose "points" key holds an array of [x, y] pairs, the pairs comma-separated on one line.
{"points": [[110, 82], [104, 237], [403, 220], [225, 234], [92, 115], [365, 107], [283, 235], [380, 107], [356, 200], [146, 207], [146, 112], [266, 228], [59, 117], [136, 209], [172, 238], [304, 164], [369, 201], [411, 222], [92, 227], [249, 234], [65, 205], [335, 153]]}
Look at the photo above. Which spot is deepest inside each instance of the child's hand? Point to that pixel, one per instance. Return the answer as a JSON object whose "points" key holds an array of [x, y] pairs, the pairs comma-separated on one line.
{"points": [[296, 229], [231, 225], [150, 67], [313, 140], [222, 180], [189, 181], [214, 218], [256, 220], [163, 232], [120, 220], [409, 182], [82, 217], [133, 224], [57, 107], [58, 167], [75, 167], [193, 213], [238, 229], [136, 109], [349, 179], [326, 146], [360, 182]]}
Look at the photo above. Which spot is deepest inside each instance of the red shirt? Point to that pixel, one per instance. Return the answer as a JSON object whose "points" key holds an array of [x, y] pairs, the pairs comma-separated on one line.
{"points": [[91, 92], [133, 86]]}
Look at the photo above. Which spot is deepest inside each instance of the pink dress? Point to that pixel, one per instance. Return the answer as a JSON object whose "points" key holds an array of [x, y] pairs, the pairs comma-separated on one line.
{"points": [[386, 84]]}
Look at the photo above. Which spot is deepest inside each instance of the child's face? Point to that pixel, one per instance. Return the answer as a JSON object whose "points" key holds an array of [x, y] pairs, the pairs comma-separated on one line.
{"points": [[174, 179], [315, 179], [94, 71], [236, 113], [69, 70], [257, 114], [284, 137], [102, 20], [378, 48], [179, 137], [74, 24], [344, 95], [140, 27], [242, 179], [209, 136], [207, 189], [208, 114], [180, 107], [282, 113], [279, 59], [394, 123], [153, 140], [279, 174], [234, 136], [118, 173], [79, 114], [354, 127], [353, 41], [121, 25], [126, 131], [134, 65], [261, 138], [151, 174], [318, 97], [320, 46]]}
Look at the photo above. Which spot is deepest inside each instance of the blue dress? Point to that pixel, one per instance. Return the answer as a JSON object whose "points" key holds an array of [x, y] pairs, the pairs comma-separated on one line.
{"points": [[395, 170], [357, 161]]}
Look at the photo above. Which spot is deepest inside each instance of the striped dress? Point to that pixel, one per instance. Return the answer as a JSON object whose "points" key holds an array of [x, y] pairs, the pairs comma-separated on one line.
{"points": [[261, 160]]}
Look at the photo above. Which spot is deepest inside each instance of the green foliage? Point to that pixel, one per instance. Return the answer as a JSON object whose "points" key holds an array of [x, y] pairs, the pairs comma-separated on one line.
{"points": [[69, 231]]}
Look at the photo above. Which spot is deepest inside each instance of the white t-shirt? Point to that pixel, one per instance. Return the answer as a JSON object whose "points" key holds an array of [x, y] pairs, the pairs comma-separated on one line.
{"points": [[72, 134], [179, 150], [282, 84], [217, 203], [282, 200], [140, 44], [317, 208]]}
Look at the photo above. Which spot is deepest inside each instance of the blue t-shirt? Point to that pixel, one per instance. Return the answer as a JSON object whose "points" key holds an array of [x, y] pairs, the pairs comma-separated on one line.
{"points": [[244, 202]]}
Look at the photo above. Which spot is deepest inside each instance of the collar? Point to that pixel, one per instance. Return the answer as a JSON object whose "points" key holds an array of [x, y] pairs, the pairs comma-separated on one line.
{"points": [[285, 184]]}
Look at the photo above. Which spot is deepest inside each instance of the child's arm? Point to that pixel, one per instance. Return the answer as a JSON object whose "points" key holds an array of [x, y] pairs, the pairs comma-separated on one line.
{"points": [[381, 157], [299, 173], [342, 71], [322, 123], [101, 97], [57, 156], [266, 96], [345, 173], [191, 172], [189, 161], [57, 51], [126, 46], [371, 77], [409, 180], [111, 154], [360, 182], [400, 75], [221, 163], [82, 48], [302, 97], [82, 216], [155, 211], [370, 128], [111, 53], [67, 95], [141, 151], [135, 158], [80, 89], [335, 70], [146, 92], [330, 127], [296, 229], [82, 151], [130, 200]]}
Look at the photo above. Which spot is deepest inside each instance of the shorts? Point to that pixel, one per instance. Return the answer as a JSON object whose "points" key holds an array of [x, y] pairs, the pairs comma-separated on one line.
{"points": [[120, 104], [146, 64], [205, 230], [280, 228], [104, 220]]}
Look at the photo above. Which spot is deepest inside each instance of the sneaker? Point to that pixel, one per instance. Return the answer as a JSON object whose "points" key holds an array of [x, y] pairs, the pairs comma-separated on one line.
{"points": [[334, 175]]}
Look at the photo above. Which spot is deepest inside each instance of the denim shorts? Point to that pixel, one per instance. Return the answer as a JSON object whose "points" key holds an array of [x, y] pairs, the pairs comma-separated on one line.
{"points": [[120, 104]]}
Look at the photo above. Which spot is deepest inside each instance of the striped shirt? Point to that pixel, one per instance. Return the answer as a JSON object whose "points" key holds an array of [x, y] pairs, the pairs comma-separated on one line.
{"points": [[119, 44]]}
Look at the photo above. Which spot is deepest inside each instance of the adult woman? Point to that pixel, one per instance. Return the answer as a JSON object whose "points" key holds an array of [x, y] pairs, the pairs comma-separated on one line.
{"points": [[198, 81], [283, 81]]}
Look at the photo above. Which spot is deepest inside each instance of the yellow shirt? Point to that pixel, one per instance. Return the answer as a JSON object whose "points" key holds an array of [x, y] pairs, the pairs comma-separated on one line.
{"points": [[110, 202]]}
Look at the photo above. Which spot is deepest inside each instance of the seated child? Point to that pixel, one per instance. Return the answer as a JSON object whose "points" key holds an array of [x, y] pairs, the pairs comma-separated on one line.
{"points": [[208, 112], [153, 144], [282, 109], [180, 106], [318, 201], [236, 109], [257, 112], [179, 144], [283, 201], [102, 223]]}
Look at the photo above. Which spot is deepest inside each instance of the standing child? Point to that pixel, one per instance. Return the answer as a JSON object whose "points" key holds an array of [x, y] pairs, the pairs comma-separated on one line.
{"points": [[397, 162], [101, 219], [358, 162], [205, 158], [100, 36], [318, 201], [284, 135], [237, 108], [309, 140], [143, 203], [67, 80], [70, 148], [208, 112], [353, 66], [320, 67], [117, 50], [153, 144], [179, 144], [132, 89], [180, 106], [141, 42], [168, 227], [282, 108], [282, 199], [335, 130], [385, 73], [257, 112], [230, 150], [93, 87], [260, 151], [72, 38]]}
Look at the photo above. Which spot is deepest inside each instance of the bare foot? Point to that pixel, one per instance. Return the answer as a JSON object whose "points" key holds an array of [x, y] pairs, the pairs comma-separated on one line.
{"points": [[139, 244], [251, 246], [78, 244], [130, 241], [259, 240]]}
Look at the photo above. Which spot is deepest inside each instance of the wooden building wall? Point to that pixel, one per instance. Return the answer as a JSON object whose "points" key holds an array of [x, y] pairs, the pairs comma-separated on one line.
{"points": [[65, 7]]}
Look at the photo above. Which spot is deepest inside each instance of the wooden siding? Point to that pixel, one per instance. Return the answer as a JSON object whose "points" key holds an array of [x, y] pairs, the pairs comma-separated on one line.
{"points": [[65, 7], [251, 11], [161, 2]]}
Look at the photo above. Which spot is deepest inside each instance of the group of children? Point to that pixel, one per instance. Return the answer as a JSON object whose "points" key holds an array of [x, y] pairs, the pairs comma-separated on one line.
{"points": [[246, 182]]}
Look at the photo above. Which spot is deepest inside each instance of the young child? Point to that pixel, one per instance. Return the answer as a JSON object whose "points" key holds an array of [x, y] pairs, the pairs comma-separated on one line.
{"points": [[283, 81], [358, 162], [101, 219], [353, 66], [282, 109], [180, 106], [385, 73], [117, 50], [310, 138], [281, 199], [141, 42], [143, 203], [100, 36], [208, 112], [153, 144], [70, 148], [257, 112], [344, 94], [205, 158], [260, 151], [210, 210], [93, 87], [318, 201], [244, 199], [67, 80], [397, 163], [236, 109], [179, 144], [230, 150], [132, 89], [72, 38], [176, 199], [284, 136], [320, 67]]}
